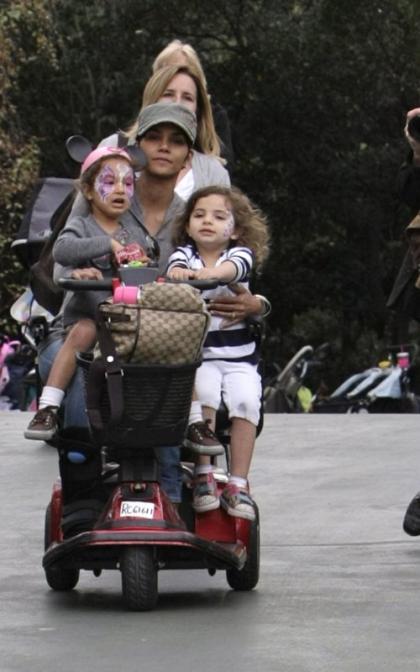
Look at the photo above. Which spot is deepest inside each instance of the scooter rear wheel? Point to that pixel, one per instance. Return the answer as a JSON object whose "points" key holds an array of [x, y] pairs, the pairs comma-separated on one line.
{"points": [[247, 577], [139, 578], [58, 578], [61, 579]]}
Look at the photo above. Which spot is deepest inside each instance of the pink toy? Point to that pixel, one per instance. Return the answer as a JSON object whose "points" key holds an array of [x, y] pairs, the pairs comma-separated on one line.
{"points": [[131, 252], [403, 359], [123, 294], [7, 348]]}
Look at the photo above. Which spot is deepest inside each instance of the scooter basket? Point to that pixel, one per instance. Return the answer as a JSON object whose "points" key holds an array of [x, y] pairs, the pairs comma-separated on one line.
{"points": [[156, 405]]}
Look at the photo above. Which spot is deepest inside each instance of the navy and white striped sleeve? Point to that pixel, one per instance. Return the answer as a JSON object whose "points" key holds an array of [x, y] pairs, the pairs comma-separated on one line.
{"points": [[178, 259], [243, 259]]}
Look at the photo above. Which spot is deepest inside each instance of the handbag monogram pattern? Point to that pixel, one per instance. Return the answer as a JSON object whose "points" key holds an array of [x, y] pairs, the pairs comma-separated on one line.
{"points": [[168, 325]]}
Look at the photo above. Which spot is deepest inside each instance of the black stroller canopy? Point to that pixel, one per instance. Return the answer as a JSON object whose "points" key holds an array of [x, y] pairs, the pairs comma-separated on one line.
{"points": [[48, 195]]}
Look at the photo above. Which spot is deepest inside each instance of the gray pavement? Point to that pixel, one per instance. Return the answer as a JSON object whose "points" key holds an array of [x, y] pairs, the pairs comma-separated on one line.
{"points": [[340, 581]]}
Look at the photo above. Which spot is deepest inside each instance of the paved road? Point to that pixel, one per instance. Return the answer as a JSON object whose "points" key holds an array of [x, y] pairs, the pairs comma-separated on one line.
{"points": [[340, 585]]}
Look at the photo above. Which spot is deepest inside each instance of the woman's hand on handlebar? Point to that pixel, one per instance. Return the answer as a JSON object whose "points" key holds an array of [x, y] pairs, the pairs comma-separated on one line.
{"points": [[86, 274], [236, 308]]}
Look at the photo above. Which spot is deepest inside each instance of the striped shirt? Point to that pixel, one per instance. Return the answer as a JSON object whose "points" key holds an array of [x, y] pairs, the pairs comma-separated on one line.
{"points": [[235, 343]]}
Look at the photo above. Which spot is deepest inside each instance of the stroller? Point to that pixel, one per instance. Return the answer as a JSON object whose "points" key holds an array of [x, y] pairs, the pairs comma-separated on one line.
{"points": [[8, 379], [285, 391], [384, 388], [51, 197]]}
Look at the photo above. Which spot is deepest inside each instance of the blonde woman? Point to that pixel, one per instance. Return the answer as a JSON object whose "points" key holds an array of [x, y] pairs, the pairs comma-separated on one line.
{"points": [[161, 83], [183, 54], [179, 53]]}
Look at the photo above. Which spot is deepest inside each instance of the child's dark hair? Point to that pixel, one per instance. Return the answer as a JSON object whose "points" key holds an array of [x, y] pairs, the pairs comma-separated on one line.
{"points": [[250, 222]]}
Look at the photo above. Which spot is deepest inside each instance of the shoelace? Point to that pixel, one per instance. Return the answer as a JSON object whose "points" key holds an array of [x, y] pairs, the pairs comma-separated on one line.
{"points": [[42, 415]]}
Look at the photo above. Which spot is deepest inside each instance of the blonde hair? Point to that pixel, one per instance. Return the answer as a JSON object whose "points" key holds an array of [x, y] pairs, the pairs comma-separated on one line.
{"points": [[250, 222], [176, 48], [207, 141]]}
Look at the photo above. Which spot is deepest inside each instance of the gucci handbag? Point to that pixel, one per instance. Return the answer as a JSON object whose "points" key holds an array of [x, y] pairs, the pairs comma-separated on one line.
{"points": [[141, 378], [167, 325]]}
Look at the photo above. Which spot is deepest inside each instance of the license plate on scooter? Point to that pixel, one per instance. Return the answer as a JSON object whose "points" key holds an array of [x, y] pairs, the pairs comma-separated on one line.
{"points": [[137, 509]]}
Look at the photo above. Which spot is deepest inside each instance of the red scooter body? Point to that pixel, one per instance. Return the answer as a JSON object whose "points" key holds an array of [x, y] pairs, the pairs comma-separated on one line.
{"points": [[139, 530]]}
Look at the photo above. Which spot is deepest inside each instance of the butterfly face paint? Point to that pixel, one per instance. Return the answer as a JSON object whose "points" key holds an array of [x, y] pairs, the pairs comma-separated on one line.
{"points": [[114, 178], [229, 225]]}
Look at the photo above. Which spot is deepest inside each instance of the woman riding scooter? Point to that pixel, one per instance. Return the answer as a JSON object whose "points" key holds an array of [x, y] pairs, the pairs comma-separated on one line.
{"points": [[153, 193]]}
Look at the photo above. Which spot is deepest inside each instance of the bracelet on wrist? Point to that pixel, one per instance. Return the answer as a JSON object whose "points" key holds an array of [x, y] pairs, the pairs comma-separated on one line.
{"points": [[266, 305]]}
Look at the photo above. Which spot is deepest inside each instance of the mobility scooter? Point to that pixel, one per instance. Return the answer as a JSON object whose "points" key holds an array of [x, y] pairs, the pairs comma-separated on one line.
{"points": [[139, 530]]}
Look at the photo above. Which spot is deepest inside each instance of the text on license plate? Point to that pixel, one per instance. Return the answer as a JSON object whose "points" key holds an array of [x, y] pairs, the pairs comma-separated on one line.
{"points": [[137, 509]]}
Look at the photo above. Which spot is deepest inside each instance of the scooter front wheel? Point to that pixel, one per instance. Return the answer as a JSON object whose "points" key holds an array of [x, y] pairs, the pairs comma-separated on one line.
{"points": [[247, 577], [139, 578]]}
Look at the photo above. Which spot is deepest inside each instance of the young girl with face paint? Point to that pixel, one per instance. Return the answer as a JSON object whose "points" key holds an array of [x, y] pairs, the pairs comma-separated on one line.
{"points": [[221, 235], [96, 242]]}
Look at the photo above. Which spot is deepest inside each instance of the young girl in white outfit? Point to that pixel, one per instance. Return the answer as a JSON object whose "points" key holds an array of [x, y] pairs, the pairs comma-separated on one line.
{"points": [[221, 235]]}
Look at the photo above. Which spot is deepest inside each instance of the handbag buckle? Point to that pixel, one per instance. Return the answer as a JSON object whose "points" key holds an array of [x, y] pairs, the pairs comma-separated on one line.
{"points": [[113, 372], [117, 372]]}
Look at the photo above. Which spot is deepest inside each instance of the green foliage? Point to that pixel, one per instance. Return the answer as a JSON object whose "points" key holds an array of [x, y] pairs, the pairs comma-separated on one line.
{"points": [[316, 92], [23, 44]]}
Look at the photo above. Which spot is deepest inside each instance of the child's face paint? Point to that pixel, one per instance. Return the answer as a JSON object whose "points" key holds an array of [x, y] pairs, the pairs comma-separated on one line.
{"points": [[212, 224], [229, 225], [112, 190], [115, 177]]}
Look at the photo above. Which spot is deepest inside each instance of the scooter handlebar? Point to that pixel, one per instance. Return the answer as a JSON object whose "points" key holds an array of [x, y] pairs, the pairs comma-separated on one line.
{"points": [[83, 285], [97, 285], [211, 283]]}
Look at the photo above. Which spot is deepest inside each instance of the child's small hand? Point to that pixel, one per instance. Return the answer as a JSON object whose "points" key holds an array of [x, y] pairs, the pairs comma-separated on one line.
{"points": [[86, 274], [206, 274], [116, 246], [181, 274]]}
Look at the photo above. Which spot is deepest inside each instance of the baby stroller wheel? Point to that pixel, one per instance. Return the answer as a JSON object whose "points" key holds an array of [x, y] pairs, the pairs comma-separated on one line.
{"points": [[247, 577], [358, 408], [139, 578]]}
